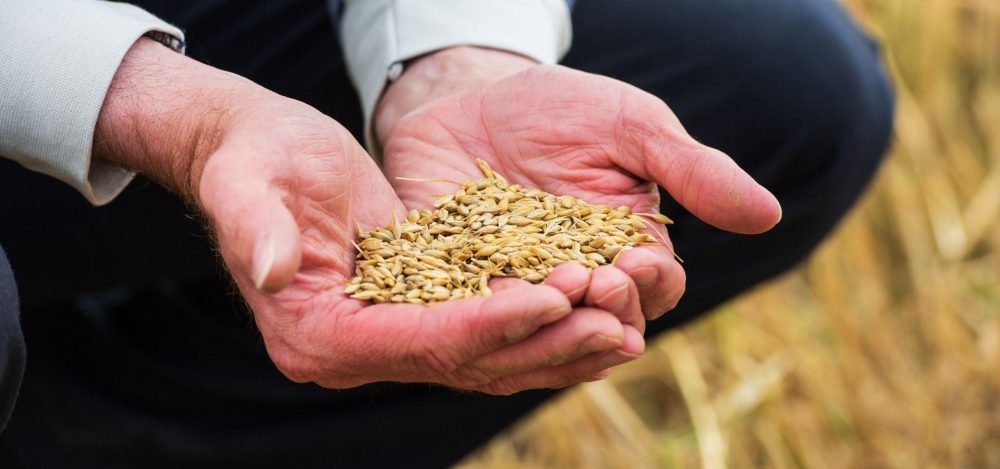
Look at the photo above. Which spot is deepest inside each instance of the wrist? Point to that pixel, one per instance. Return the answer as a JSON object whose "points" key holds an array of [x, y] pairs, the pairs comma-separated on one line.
{"points": [[440, 74], [165, 114]]}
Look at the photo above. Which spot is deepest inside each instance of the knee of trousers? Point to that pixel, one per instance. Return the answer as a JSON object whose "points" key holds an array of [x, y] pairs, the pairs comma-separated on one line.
{"points": [[12, 347], [829, 106], [831, 100], [9, 308], [795, 92]]}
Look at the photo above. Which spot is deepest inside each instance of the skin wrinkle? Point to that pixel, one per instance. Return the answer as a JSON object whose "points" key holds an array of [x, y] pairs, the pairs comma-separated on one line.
{"points": [[690, 185], [490, 141], [279, 339], [462, 139], [404, 340], [306, 323], [634, 189], [622, 126], [321, 357], [204, 142], [509, 122], [519, 168], [424, 148], [319, 266], [567, 163], [429, 355], [641, 136], [561, 134]]}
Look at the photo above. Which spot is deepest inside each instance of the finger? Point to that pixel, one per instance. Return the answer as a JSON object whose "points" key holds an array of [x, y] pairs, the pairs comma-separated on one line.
{"points": [[585, 331], [499, 284], [413, 343], [658, 277], [704, 180], [257, 234], [452, 333], [588, 368], [613, 291], [572, 279]]}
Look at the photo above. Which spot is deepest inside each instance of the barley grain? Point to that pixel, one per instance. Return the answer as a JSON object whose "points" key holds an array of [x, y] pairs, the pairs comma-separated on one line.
{"points": [[489, 228]]}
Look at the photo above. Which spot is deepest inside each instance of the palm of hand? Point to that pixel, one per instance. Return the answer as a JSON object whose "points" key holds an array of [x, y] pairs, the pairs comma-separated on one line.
{"points": [[562, 131], [285, 196], [572, 133], [529, 128], [303, 184]]}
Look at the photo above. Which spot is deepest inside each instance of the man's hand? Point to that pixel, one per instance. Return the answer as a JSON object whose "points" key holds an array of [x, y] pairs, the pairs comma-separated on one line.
{"points": [[283, 187], [568, 133]]}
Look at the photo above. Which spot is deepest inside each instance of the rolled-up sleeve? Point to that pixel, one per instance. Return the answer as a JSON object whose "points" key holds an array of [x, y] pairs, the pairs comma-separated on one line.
{"points": [[57, 60], [378, 35]]}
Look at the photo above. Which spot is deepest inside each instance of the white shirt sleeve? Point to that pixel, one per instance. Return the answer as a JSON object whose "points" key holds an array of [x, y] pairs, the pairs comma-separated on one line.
{"points": [[378, 35], [57, 60]]}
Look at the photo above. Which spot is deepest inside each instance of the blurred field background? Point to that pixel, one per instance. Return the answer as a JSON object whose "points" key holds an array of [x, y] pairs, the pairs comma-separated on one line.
{"points": [[883, 350]]}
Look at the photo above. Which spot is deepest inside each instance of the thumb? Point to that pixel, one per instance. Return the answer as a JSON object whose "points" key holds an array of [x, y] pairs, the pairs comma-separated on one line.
{"points": [[704, 180], [257, 234]]}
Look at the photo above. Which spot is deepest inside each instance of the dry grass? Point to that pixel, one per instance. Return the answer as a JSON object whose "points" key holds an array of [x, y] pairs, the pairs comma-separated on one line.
{"points": [[882, 351]]}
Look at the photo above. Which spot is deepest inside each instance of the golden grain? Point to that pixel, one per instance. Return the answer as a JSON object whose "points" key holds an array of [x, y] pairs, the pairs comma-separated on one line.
{"points": [[488, 228]]}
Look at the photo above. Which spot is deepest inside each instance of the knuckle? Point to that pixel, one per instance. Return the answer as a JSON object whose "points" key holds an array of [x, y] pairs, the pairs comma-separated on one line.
{"points": [[678, 284], [429, 348], [599, 376], [472, 321], [568, 378], [673, 286], [472, 377], [501, 387], [559, 357]]}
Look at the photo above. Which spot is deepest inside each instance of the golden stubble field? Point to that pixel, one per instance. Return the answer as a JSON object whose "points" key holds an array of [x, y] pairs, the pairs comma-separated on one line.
{"points": [[883, 350]]}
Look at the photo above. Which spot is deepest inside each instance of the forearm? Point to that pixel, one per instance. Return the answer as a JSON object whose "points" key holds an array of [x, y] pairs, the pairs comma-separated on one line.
{"points": [[439, 74], [164, 115]]}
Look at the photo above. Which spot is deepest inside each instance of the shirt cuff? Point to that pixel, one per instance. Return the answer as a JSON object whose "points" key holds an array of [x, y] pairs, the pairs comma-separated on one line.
{"points": [[57, 60], [379, 35]]}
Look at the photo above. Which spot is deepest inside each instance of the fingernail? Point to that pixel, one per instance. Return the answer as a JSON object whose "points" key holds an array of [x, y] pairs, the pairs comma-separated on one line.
{"points": [[516, 333], [263, 259], [645, 277], [602, 374], [579, 292], [519, 332], [599, 343], [617, 299], [626, 355], [557, 312]]}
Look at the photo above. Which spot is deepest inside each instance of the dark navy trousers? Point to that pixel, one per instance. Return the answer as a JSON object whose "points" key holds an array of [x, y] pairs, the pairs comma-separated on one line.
{"points": [[140, 354], [11, 342]]}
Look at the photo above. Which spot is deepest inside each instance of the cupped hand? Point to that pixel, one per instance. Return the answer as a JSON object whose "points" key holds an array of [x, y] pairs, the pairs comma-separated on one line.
{"points": [[571, 133], [283, 187]]}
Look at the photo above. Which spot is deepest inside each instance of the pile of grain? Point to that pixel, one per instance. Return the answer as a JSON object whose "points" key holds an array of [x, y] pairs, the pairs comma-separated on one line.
{"points": [[489, 228]]}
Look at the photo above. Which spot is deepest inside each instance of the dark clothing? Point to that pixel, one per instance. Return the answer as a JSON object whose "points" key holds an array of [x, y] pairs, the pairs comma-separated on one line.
{"points": [[142, 355], [11, 343]]}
